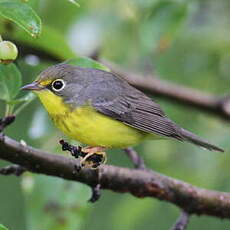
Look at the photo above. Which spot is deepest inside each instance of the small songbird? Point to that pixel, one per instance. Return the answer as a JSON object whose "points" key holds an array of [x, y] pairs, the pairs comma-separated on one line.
{"points": [[102, 110]]}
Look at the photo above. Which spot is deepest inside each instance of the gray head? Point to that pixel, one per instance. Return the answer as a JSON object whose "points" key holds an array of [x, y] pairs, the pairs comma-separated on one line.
{"points": [[72, 82]]}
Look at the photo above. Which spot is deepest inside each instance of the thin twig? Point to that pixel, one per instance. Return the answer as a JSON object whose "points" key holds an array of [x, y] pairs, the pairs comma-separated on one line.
{"points": [[96, 193], [182, 221], [4, 122], [137, 161], [218, 105], [151, 84], [16, 170]]}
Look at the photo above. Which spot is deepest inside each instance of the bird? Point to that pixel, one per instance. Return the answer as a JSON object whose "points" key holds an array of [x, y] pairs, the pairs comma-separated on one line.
{"points": [[102, 110]]}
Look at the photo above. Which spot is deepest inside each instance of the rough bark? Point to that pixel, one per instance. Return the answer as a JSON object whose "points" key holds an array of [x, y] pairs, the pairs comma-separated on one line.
{"points": [[140, 183]]}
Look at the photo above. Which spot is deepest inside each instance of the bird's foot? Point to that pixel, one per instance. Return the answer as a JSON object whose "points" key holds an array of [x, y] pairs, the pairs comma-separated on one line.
{"points": [[89, 157], [95, 156]]}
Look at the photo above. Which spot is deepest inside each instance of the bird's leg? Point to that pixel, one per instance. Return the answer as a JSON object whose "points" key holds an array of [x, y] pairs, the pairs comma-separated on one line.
{"points": [[89, 157], [95, 156], [137, 161]]}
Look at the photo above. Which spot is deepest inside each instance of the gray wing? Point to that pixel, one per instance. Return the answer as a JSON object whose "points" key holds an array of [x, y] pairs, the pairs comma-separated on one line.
{"points": [[115, 98], [130, 106]]}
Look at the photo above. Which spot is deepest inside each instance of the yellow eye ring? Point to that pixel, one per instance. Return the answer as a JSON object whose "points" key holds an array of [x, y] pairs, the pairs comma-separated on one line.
{"points": [[58, 85]]}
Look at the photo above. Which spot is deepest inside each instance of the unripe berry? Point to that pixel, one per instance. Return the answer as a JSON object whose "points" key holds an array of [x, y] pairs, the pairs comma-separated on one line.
{"points": [[8, 52]]}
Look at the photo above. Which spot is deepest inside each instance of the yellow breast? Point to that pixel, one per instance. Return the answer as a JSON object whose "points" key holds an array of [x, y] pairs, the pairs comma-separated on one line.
{"points": [[86, 125]]}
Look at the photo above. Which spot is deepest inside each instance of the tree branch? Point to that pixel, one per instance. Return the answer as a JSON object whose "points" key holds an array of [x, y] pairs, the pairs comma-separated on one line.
{"points": [[219, 106], [181, 222], [140, 183], [137, 161], [16, 170], [4, 122]]}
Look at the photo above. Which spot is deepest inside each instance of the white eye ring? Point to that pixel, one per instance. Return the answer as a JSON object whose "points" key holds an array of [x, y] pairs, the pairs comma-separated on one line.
{"points": [[58, 85]]}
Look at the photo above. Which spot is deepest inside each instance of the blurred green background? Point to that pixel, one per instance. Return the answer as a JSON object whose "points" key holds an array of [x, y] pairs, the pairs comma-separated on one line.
{"points": [[183, 41]]}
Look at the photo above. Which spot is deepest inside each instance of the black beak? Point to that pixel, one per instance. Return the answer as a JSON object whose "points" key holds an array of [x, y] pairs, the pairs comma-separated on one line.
{"points": [[32, 86]]}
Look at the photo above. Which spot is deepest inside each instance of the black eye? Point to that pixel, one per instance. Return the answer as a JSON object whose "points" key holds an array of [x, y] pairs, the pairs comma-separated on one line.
{"points": [[58, 85]]}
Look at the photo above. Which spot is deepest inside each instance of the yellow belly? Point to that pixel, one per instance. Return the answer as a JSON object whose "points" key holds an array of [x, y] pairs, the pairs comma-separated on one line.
{"points": [[87, 126]]}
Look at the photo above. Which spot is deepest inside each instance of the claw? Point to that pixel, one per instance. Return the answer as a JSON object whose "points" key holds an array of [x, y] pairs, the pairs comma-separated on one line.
{"points": [[89, 157], [93, 160]]}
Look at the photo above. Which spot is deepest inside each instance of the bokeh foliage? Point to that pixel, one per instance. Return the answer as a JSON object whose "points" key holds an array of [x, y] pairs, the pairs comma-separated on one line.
{"points": [[183, 41]]}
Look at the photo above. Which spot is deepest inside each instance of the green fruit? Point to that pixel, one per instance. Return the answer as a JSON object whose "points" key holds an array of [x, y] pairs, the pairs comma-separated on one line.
{"points": [[8, 52]]}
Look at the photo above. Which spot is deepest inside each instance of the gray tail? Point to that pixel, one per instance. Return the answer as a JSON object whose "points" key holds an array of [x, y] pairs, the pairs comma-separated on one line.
{"points": [[192, 138]]}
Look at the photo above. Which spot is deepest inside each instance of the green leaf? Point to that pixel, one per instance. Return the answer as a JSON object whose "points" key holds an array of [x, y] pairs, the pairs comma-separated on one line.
{"points": [[74, 2], [87, 63], [10, 81], [3, 227], [23, 15]]}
